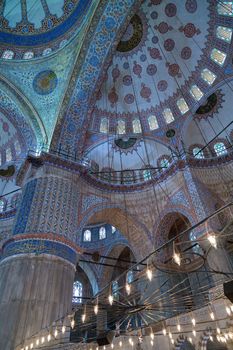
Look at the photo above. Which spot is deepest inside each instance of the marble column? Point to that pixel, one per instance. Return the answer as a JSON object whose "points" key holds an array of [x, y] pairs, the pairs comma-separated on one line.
{"points": [[39, 261]]}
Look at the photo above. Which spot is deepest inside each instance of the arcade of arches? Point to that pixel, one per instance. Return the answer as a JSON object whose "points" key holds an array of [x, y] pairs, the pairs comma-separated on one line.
{"points": [[116, 174]]}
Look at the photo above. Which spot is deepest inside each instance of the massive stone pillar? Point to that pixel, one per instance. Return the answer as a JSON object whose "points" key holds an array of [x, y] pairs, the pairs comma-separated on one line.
{"points": [[38, 263]]}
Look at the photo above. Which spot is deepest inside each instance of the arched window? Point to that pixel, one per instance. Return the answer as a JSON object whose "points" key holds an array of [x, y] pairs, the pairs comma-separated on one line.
{"points": [[47, 51], [121, 127], [220, 148], [198, 153], [77, 292], [2, 205], [153, 123], [63, 43], [87, 236], [164, 163], [137, 129], [147, 174], [113, 229], [218, 56], [129, 276], [208, 76], [8, 54], [225, 8], [102, 232], [115, 292], [104, 125], [8, 155], [27, 55], [168, 116]]}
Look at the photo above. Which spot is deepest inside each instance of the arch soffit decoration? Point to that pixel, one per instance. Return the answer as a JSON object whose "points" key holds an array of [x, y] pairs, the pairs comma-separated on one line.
{"points": [[116, 216], [73, 116], [30, 114], [90, 275]]}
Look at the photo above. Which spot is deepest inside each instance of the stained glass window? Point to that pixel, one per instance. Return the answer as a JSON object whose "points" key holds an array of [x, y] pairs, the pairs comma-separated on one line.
{"points": [[208, 76], [218, 56], [104, 125], [225, 8], [87, 236], [220, 148], [77, 292], [129, 276], [8, 54], [198, 153], [168, 116], [2, 205], [196, 92], [153, 123], [47, 51], [182, 105], [224, 33], [146, 174], [27, 55], [121, 127], [102, 232], [113, 229], [137, 129], [164, 163]]}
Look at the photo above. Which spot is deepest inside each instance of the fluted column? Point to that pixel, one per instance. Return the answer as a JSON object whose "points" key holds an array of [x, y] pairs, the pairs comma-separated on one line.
{"points": [[39, 261]]}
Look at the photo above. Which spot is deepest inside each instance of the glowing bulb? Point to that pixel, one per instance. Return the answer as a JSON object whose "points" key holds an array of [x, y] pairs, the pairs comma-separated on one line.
{"points": [[212, 240], [151, 342], [149, 274], [127, 287], [26, 348], [170, 335], [218, 338], [228, 310], [83, 318], [130, 340], [211, 338], [72, 323], [120, 343], [212, 316], [42, 340], [55, 333], [194, 333], [112, 346], [37, 342], [218, 330], [96, 309], [49, 337], [193, 321], [177, 258], [172, 341], [132, 343], [152, 335], [31, 346], [63, 329], [178, 327], [110, 299], [164, 331], [226, 336], [231, 335], [190, 340], [104, 347]]}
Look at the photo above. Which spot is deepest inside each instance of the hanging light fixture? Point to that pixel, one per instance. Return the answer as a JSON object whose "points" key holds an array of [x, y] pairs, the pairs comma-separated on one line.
{"points": [[96, 309], [212, 316], [128, 288], [72, 323], [149, 272], [193, 321], [63, 329], [164, 331], [55, 333], [212, 240]]}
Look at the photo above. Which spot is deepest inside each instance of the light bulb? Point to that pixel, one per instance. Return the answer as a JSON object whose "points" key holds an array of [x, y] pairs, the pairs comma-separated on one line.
{"points": [[110, 299], [212, 240], [42, 340], [190, 340], [112, 346], [231, 335], [63, 329], [72, 323], [130, 340], [212, 316], [96, 309], [228, 310], [104, 347], [120, 343], [152, 335], [55, 333], [218, 330], [31, 346], [149, 274], [26, 348], [37, 342], [164, 331], [151, 342], [49, 337], [226, 336], [132, 343], [178, 327], [127, 287], [170, 335], [177, 258], [211, 338], [193, 321], [83, 318], [218, 338], [172, 341], [194, 333]]}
